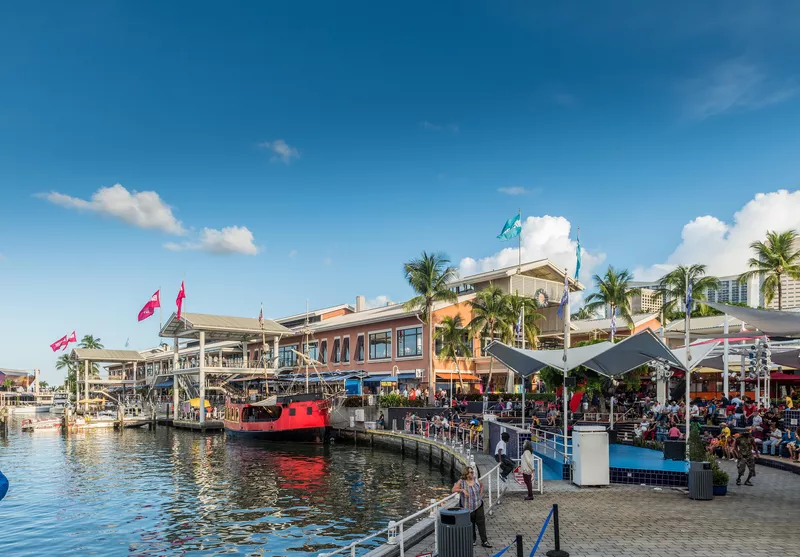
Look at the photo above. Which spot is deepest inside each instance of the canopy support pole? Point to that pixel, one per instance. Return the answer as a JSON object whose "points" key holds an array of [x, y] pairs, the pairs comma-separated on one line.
{"points": [[725, 380], [564, 385]]}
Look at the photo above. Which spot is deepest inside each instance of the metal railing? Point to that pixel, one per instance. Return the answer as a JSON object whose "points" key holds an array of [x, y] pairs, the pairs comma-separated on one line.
{"points": [[551, 444], [537, 476], [395, 531], [459, 435], [603, 416]]}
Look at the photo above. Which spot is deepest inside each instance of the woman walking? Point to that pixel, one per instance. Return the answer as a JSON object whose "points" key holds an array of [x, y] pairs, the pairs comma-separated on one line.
{"points": [[526, 467], [471, 498]]}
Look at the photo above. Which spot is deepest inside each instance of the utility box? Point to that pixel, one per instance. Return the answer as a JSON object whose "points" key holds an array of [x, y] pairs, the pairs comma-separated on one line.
{"points": [[359, 414], [455, 533], [701, 481], [590, 455]]}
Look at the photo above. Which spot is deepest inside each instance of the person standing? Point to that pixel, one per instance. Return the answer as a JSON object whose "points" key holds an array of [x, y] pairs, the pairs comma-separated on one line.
{"points": [[470, 492], [746, 446], [526, 467]]}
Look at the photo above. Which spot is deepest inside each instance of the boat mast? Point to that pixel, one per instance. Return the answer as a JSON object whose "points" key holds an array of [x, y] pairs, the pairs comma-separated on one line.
{"points": [[263, 350], [305, 348]]}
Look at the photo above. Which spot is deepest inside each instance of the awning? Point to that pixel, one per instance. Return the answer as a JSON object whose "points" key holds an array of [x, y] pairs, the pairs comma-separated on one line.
{"points": [[163, 384], [406, 376], [784, 377], [445, 376], [771, 323], [195, 403], [379, 378], [605, 358]]}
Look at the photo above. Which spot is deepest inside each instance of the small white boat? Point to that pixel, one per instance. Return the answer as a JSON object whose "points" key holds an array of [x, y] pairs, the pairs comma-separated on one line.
{"points": [[60, 403], [25, 409], [41, 424]]}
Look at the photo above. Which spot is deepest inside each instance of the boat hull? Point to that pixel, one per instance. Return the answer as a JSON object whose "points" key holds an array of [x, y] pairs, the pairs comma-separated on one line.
{"points": [[24, 410], [300, 418]]}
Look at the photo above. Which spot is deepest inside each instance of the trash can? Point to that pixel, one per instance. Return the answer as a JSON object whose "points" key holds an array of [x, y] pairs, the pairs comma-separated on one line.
{"points": [[455, 533], [701, 481]]}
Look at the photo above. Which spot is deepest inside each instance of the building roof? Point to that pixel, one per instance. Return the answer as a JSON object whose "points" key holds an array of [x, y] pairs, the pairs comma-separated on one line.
{"points": [[103, 355], [545, 265], [604, 324], [708, 323], [14, 372], [220, 327], [320, 311]]}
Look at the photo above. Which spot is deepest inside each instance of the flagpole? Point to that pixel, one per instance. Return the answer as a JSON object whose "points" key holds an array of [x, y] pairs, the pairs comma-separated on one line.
{"points": [[566, 348], [519, 254], [687, 327]]}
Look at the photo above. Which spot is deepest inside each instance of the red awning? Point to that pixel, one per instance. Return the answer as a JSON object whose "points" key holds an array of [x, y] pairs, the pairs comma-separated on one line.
{"points": [[445, 376], [784, 377]]}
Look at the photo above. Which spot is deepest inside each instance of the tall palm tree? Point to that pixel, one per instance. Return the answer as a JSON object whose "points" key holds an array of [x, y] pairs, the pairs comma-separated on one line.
{"points": [[450, 333], [64, 361], [583, 313], [613, 290], [773, 259], [673, 284], [88, 341], [516, 304], [429, 277], [490, 313]]}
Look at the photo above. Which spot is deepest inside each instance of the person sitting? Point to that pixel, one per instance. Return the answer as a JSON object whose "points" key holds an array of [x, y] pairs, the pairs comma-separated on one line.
{"points": [[793, 446], [500, 455], [674, 434], [662, 431], [772, 441]]}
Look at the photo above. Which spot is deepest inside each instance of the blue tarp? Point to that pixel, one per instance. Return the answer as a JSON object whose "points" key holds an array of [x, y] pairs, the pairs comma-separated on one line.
{"points": [[378, 378], [163, 384], [3, 485]]}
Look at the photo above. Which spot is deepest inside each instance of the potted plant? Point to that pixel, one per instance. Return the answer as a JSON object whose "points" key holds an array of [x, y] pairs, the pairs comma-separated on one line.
{"points": [[719, 480]]}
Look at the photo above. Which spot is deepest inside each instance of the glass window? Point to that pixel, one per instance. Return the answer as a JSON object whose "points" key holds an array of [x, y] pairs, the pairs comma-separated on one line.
{"points": [[360, 348], [409, 342], [346, 349], [323, 352], [335, 353], [312, 350], [380, 345], [286, 356]]}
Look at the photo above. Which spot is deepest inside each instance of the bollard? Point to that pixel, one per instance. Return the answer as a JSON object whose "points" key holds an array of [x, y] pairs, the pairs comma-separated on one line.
{"points": [[519, 545], [557, 535]]}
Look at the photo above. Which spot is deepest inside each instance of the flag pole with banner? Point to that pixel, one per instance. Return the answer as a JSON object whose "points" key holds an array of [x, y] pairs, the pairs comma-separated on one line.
{"points": [[687, 326], [563, 312]]}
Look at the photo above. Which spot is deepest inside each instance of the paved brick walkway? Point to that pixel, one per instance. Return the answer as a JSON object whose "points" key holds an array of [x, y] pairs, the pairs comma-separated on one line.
{"points": [[632, 520]]}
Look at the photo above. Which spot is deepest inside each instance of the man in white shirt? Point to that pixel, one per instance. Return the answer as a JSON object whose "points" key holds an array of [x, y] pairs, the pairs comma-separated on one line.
{"points": [[506, 464], [694, 410]]}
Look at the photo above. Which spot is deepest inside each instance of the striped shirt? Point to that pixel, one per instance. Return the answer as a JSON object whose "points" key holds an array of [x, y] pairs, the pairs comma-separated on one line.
{"points": [[473, 500]]}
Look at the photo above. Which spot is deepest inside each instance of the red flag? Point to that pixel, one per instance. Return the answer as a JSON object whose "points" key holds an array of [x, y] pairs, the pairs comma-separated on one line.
{"points": [[150, 307], [60, 343], [72, 338], [179, 300]]}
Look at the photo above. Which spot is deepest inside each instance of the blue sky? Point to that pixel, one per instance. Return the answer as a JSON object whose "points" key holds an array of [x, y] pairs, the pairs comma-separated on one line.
{"points": [[348, 138]]}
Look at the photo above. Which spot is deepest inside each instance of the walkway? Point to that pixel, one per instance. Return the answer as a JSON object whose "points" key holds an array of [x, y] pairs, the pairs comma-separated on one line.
{"points": [[640, 521]]}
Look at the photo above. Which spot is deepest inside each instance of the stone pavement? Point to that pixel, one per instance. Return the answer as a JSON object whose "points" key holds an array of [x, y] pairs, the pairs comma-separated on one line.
{"points": [[640, 521]]}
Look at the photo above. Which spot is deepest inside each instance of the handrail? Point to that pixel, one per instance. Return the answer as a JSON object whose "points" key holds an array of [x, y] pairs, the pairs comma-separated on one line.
{"points": [[395, 531], [547, 442]]}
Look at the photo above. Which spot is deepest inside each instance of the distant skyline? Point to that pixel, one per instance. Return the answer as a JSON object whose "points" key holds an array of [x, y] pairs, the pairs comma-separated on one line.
{"points": [[281, 152]]}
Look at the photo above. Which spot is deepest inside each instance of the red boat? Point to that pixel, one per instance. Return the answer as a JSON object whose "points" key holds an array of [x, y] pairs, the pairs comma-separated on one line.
{"points": [[302, 417]]}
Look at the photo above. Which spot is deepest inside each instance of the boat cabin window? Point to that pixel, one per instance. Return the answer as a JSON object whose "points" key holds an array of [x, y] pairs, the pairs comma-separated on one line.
{"points": [[261, 413], [292, 411], [309, 410]]}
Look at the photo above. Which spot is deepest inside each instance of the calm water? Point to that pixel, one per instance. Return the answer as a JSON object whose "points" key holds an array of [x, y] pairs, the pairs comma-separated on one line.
{"points": [[173, 492]]}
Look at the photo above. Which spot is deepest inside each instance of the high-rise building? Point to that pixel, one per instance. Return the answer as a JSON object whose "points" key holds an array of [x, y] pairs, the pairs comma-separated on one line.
{"points": [[731, 291]]}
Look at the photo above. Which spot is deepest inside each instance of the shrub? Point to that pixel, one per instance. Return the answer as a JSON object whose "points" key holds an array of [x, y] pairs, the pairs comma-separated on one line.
{"points": [[395, 400], [719, 476]]}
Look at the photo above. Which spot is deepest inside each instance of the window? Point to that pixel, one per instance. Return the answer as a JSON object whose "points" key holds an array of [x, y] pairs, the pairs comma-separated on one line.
{"points": [[309, 410], [311, 350], [380, 345], [323, 352], [286, 356], [346, 350], [437, 344], [335, 352], [409, 342], [292, 411], [360, 348]]}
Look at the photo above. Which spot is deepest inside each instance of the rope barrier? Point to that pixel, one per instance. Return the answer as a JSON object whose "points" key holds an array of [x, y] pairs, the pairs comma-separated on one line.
{"points": [[506, 548], [544, 527]]}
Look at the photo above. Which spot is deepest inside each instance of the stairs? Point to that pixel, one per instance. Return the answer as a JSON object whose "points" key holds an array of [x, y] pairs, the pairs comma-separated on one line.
{"points": [[625, 431]]}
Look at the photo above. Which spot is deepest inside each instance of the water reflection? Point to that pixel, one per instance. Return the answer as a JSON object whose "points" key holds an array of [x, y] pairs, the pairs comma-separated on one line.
{"points": [[177, 492]]}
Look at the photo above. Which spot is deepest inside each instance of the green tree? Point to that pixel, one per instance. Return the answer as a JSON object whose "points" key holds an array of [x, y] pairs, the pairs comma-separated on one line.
{"points": [[65, 362], [8, 384], [429, 276], [455, 344], [490, 313], [515, 305], [88, 341], [613, 290], [43, 384], [773, 259], [583, 313], [673, 284]]}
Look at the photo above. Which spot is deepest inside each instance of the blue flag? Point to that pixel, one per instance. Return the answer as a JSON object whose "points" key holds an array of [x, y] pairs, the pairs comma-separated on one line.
{"points": [[512, 228], [578, 257], [564, 296], [689, 298], [519, 322]]}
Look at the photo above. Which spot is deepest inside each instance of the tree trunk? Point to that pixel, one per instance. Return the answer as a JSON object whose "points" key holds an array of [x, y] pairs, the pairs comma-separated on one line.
{"points": [[431, 373], [780, 293], [458, 371], [613, 310]]}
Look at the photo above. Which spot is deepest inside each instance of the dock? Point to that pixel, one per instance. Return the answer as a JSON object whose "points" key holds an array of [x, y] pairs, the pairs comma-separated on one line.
{"points": [[209, 425]]}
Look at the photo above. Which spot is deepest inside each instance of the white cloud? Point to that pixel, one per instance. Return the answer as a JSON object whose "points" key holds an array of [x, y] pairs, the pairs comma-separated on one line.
{"points": [[378, 302], [542, 237], [452, 128], [513, 190], [141, 209], [231, 239], [736, 85], [723, 247], [282, 151], [292, 254], [564, 99]]}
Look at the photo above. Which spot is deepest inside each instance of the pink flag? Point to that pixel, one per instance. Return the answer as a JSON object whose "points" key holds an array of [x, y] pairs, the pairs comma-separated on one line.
{"points": [[72, 338], [60, 343], [150, 307], [179, 299]]}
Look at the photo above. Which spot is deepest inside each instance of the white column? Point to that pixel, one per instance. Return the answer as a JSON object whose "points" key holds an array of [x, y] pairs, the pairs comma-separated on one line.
{"points": [[725, 385], [741, 376], [275, 341], [135, 374], [245, 354], [564, 387], [202, 377], [86, 383], [175, 388], [661, 389]]}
